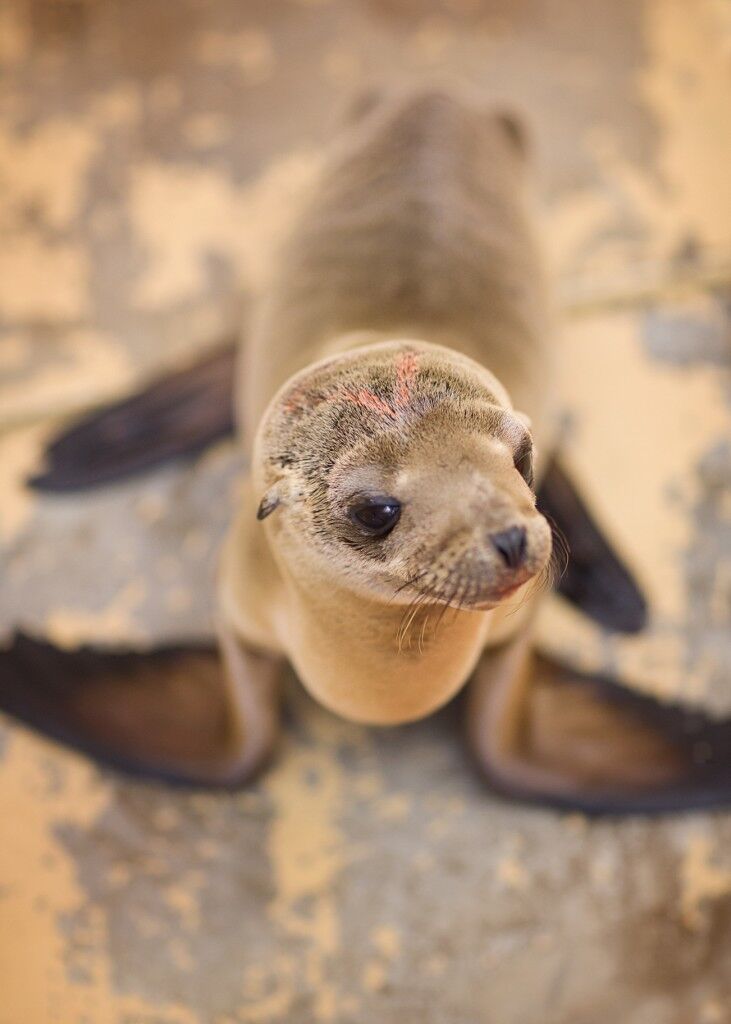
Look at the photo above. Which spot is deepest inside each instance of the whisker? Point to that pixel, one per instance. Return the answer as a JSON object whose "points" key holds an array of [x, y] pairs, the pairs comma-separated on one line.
{"points": [[423, 631], [409, 583], [461, 595], [429, 604], [423, 602], [445, 607], [560, 548], [410, 621], [409, 615], [539, 584], [473, 590]]}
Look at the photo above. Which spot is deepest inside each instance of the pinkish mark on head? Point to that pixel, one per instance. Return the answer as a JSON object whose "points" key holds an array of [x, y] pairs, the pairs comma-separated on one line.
{"points": [[405, 373], [299, 398], [366, 399]]}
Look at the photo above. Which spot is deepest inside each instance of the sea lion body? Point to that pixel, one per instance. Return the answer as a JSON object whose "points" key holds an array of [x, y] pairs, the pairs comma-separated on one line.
{"points": [[415, 260]]}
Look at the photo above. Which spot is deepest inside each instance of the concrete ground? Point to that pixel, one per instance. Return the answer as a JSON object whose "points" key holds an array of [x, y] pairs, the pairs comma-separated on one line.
{"points": [[150, 154]]}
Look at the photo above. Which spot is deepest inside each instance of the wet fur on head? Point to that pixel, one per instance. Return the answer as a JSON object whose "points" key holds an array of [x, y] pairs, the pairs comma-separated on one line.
{"points": [[418, 423]]}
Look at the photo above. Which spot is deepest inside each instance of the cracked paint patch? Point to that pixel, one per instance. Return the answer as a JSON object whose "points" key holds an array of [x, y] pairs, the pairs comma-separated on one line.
{"points": [[20, 454], [183, 214], [24, 163], [72, 627], [83, 367], [703, 881], [307, 851], [31, 861]]}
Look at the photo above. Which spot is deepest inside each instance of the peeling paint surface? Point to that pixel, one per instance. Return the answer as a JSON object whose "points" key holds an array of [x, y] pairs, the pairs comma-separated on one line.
{"points": [[368, 876]]}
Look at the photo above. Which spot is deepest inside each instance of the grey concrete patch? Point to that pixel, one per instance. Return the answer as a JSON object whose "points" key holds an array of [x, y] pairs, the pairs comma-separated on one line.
{"points": [[447, 904], [707, 573], [133, 563], [687, 339]]}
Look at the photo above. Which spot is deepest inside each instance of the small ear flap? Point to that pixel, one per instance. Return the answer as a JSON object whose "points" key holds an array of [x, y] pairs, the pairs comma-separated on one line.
{"points": [[268, 503], [523, 460], [515, 129], [525, 451]]}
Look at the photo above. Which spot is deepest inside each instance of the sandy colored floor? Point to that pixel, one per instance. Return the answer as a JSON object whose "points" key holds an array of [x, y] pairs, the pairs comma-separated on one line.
{"points": [[150, 154]]}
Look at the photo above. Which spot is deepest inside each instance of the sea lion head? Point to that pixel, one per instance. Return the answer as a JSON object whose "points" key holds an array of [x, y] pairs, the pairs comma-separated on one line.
{"points": [[400, 470]]}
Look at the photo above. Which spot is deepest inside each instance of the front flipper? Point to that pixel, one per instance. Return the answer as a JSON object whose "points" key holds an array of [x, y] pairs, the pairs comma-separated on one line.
{"points": [[182, 714], [176, 417], [595, 579], [183, 413], [545, 734]]}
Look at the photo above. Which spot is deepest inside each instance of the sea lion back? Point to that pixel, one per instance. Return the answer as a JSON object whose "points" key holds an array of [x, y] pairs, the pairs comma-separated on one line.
{"points": [[417, 227]]}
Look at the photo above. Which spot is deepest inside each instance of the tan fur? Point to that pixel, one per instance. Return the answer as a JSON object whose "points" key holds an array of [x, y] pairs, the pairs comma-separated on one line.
{"points": [[406, 325]]}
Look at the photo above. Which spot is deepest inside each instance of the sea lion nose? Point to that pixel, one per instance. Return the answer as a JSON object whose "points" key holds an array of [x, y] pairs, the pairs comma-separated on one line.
{"points": [[511, 545]]}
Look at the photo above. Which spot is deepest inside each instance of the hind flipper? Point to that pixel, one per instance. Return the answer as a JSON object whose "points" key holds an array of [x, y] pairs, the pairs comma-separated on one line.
{"points": [[182, 714], [595, 579], [177, 416], [545, 734]]}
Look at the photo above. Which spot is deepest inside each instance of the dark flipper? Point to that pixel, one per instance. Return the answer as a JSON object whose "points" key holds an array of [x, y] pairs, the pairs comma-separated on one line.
{"points": [[175, 713], [544, 734], [178, 416], [595, 579]]}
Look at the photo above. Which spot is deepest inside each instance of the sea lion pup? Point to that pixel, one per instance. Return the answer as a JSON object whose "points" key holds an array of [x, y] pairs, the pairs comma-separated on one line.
{"points": [[396, 401], [394, 483], [388, 530], [391, 473]]}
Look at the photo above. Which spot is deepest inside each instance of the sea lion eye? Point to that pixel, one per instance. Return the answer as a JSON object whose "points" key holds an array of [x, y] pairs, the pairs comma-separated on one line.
{"points": [[523, 461], [375, 516]]}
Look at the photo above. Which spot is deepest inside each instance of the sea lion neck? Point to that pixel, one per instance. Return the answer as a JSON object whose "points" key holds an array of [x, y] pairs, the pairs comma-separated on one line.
{"points": [[364, 659]]}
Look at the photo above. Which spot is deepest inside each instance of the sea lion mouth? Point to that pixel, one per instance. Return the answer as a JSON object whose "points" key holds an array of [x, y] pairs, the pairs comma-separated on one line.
{"points": [[467, 593], [508, 591], [430, 605]]}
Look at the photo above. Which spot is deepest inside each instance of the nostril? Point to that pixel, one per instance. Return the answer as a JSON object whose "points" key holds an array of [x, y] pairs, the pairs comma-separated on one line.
{"points": [[511, 545]]}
